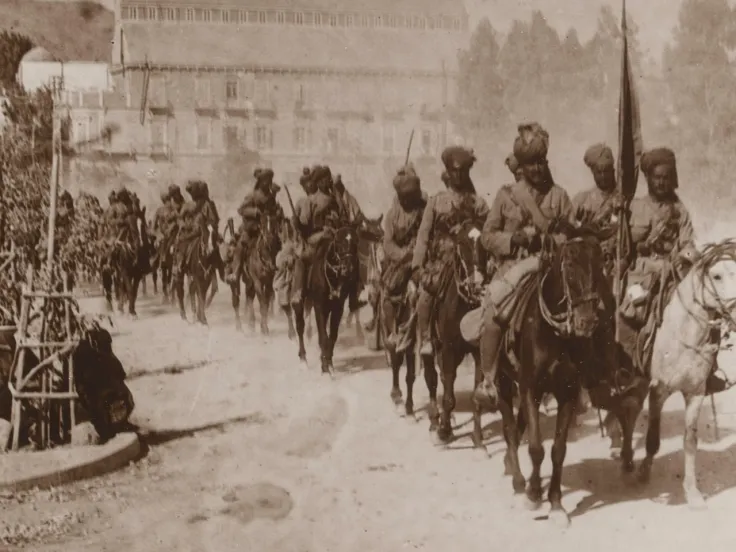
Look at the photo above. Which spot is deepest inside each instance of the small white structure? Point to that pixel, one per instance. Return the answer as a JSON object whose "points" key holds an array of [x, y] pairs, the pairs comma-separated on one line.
{"points": [[38, 68]]}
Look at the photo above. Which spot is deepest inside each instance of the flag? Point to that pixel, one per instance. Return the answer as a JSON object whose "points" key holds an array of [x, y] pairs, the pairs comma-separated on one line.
{"points": [[629, 154], [629, 124]]}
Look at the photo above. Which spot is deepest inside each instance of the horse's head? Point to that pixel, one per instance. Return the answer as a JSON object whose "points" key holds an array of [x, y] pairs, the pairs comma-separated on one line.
{"points": [[342, 252], [572, 286], [270, 234], [372, 229], [715, 279], [468, 269]]}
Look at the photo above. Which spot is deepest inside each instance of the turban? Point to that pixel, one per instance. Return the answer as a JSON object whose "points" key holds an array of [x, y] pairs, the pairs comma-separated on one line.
{"points": [[174, 190], [165, 195], [322, 173], [458, 157], [532, 143], [263, 174], [598, 156], [306, 175], [656, 157], [512, 163], [406, 181], [112, 196]]}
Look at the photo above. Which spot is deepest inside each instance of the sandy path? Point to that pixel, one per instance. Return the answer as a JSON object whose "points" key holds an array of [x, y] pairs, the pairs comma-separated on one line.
{"points": [[249, 451]]}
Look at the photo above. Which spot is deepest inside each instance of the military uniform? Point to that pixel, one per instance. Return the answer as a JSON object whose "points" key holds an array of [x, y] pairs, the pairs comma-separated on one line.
{"points": [[313, 219], [435, 246]]}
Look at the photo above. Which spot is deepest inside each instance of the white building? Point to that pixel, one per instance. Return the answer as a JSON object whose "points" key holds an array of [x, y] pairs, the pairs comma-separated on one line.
{"points": [[38, 68]]}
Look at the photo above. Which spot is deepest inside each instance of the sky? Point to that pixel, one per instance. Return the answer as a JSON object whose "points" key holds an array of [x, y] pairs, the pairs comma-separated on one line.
{"points": [[655, 18]]}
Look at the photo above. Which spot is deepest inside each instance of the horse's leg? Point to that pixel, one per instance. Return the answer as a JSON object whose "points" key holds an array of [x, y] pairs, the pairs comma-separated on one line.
{"points": [[477, 410], [627, 412], [144, 288], [192, 291], [133, 281], [430, 379], [154, 278], [298, 310], [530, 404], [358, 326], [411, 376], [511, 432], [567, 402], [120, 291], [694, 497], [178, 283], [286, 309], [235, 300], [349, 320], [658, 394], [215, 287], [395, 359], [308, 308], [448, 373], [264, 304], [335, 317], [320, 319], [107, 289], [250, 309]]}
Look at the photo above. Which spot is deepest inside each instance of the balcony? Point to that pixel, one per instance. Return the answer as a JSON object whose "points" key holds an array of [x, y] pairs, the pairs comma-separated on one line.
{"points": [[238, 107], [205, 105], [159, 152]]}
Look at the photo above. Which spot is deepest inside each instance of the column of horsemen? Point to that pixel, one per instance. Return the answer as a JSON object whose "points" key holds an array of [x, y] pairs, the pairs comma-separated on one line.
{"points": [[418, 234]]}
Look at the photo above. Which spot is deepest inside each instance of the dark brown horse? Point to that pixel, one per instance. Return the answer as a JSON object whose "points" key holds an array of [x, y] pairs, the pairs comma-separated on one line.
{"points": [[333, 274], [129, 263], [552, 347], [459, 292], [200, 259]]}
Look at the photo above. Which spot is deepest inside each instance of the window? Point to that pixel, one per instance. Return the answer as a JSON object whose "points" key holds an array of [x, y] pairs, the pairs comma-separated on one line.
{"points": [[157, 91], [230, 136], [309, 18], [202, 91], [152, 13], [225, 16], [207, 16], [427, 148], [158, 139], [125, 13], [333, 140], [231, 89], [204, 133], [242, 17], [299, 18], [318, 19], [364, 21], [261, 17], [261, 92], [300, 139], [420, 23], [289, 18], [349, 21], [333, 21], [388, 139], [264, 138], [189, 14], [281, 18], [456, 24]]}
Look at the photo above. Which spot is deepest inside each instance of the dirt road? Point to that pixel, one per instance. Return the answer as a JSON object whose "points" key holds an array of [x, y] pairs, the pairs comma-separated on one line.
{"points": [[250, 451]]}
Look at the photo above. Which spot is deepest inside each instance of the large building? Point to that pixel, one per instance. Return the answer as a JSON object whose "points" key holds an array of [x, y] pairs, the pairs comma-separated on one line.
{"points": [[203, 83]]}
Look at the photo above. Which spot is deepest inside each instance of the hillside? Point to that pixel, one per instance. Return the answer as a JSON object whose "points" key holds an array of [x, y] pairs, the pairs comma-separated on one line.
{"points": [[71, 31]]}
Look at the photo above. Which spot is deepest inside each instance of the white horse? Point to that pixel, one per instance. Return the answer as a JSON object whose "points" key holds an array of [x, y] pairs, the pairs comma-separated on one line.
{"points": [[684, 352]]}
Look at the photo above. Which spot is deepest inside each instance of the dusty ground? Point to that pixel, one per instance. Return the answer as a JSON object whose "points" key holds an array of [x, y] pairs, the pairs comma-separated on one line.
{"points": [[249, 451]]}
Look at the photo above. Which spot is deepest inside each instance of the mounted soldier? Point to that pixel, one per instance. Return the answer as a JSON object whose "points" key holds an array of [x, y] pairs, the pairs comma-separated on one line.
{"points": [[521, 213], [434, 245], [314, 223], [261, 202], [599, 206], [159, 226], [401, 227]]}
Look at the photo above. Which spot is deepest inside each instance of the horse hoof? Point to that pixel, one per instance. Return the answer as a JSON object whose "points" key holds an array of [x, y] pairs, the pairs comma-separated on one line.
{"points": [[695, 500], [615, 452], [560, 518], [645, 472], [532, 504], [627, 466], [400, 410], [436, 440]]}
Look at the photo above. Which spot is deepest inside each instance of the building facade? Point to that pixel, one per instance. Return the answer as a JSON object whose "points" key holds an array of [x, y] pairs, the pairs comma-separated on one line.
{"points": [[202, 84]]}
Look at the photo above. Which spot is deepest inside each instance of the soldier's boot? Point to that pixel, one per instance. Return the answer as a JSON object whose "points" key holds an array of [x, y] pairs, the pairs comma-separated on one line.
{"points": [[236, 263], [298, 279], [490, 346], [354, 303], [424, 322]]}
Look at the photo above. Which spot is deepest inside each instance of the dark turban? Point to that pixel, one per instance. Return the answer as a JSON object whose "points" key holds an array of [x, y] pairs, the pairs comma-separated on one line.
{"points": [[406, 181], [263, 174], [165, 195], [512, 163], [598, 156], [652, 159], [322, 173], [174, 190], [112, 196], [458, 157], [532, 143], [306, 175]]}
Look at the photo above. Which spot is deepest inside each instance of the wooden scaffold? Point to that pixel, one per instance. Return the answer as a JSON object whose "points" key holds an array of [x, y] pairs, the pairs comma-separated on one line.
{"points": [[50, 383]]}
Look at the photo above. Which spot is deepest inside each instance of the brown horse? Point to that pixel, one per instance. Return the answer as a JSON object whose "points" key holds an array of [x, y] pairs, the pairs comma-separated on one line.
{"points": [[460, 291], [199, 263], [552, 340], [333, 274]]}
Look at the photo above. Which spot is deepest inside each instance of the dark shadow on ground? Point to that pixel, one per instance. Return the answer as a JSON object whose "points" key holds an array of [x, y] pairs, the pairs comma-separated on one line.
{"points": [[171, 369], [603, 479], [361, 363], [157, 437]]}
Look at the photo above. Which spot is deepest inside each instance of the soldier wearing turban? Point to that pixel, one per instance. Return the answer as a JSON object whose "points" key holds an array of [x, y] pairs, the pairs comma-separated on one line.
{"points": [[520, 214], [434, 245]]}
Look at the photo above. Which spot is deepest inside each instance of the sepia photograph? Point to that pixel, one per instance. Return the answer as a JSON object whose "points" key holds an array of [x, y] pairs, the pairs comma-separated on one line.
{"points": [[329, 275]]}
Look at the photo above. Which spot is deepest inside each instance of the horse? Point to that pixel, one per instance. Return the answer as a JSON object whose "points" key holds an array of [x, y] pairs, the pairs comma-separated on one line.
{"points": [[258, 273], [129, 263], [371, 234], [685, 349], [460, 289], [332, 276], [199, 263], [549, 344]]}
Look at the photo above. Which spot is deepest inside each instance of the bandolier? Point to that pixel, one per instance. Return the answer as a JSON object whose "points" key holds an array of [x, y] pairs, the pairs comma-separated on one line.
{"points": [[435, 246]]}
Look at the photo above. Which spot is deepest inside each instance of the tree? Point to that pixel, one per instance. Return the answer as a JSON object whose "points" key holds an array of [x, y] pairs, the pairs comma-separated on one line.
{"points": [[233, 171], [480, 86], [701, 81], [31, 116], [13, 46]]}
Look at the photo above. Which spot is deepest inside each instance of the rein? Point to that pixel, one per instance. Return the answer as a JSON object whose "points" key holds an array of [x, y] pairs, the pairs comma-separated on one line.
{"points": [[469, 290], [340, 268]]}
